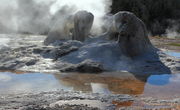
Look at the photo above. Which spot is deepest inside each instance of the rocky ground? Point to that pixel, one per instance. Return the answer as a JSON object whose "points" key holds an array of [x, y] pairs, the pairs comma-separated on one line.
{"points": [[166, 43], [94, 55], [52, 101], [61, 100], [28, 55]]}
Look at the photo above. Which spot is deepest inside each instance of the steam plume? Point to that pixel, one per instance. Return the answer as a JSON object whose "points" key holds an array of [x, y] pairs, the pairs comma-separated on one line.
{"points": [[37, 16]]}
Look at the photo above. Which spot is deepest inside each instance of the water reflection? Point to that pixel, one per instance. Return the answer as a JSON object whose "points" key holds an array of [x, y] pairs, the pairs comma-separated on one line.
{"points": [[174, 54], [162, 86], [31, 82], [159, 80], [120, 83], [100, 88], [157, 86]]}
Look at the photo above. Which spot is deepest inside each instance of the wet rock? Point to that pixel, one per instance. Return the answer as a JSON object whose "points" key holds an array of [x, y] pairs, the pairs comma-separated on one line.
{"points": [[31, 62], [73, 43], [177, 68], [12, 65], [17, 63], [169, 60], [68, 55], [31, 58], [87, 66], [58, 49], [58, 52], [16, 58], [37, 50]]}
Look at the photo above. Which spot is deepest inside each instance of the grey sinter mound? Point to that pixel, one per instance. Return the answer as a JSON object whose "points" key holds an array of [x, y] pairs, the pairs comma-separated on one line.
{"points": [[132, 34], [75, 27], [132, 52]]}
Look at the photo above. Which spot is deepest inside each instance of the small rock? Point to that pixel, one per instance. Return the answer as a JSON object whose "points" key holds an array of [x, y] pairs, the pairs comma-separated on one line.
{"points": [[37, 50], [31, 62], [87, 66], [168, 60]]}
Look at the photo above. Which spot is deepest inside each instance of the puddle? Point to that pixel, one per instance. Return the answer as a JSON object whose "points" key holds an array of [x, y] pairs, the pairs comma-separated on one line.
{"points": [[163, 86], [157, 86], [31, 82], [174, 54]]}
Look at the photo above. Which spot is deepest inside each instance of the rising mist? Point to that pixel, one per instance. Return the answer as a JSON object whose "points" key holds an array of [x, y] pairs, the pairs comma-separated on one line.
{"points": [[39, 16]]}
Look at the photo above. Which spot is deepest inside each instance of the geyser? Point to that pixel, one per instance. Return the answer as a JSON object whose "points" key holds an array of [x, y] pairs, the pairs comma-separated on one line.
{"points": [[132, 34], [83, 22], [39, 16]]}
